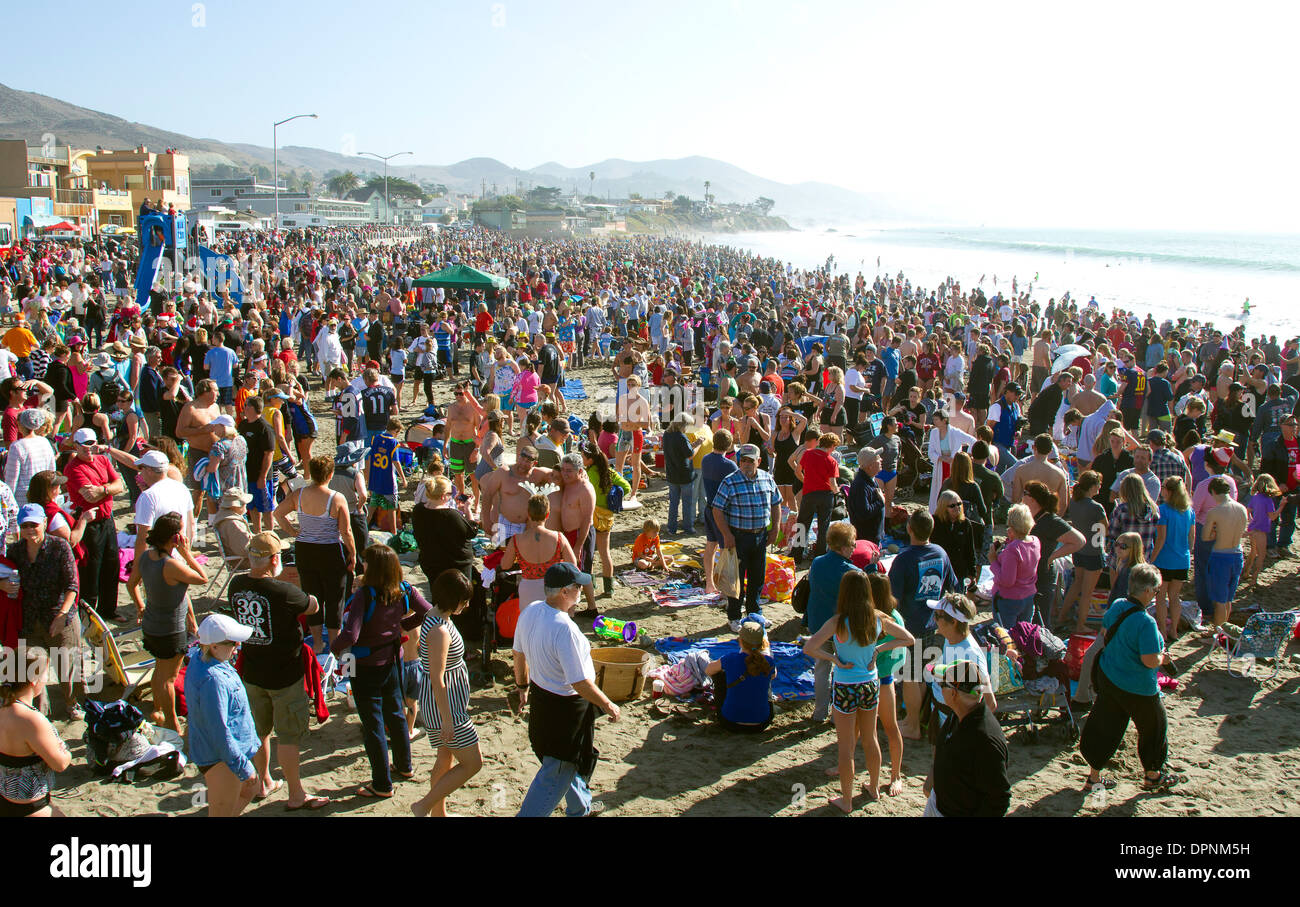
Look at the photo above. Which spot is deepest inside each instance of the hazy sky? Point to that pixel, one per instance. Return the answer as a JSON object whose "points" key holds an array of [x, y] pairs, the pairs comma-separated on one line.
{"points": [[1108, 113]]}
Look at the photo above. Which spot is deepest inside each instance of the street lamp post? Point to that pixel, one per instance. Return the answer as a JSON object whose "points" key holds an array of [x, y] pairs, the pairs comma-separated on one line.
{"points": [[387, 213], [275, 159]]}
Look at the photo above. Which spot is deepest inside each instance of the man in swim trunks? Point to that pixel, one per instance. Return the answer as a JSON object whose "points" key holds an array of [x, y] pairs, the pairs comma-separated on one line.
{"points": [[1224, 525], [634, 422], [194, 424], [572, 510], [463, 418], [505, 501]]}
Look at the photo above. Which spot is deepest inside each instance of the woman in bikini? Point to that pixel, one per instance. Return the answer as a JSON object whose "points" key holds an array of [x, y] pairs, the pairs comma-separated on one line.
{"points": [[31, 750], [535, 550]]}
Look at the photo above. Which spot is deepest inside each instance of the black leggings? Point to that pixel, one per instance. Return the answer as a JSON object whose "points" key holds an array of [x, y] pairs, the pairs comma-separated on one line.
{"points": [[814, 502], [323, 572], [1109, 719], [427, 377]]}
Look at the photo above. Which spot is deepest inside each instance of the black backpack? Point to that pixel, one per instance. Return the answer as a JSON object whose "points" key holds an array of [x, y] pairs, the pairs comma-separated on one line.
{"points": [[799, 597]]}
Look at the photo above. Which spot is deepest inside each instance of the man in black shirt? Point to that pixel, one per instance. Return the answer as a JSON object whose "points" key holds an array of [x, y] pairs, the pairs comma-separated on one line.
{"points": [[273, 663], [260, 438], [548, 358], [969, 773]]}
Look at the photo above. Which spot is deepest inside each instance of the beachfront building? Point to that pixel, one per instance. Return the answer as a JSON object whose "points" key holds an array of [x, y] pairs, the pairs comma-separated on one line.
{"points": [[163, 178], [404, 211], [228, 190], [338, 212], [61, 176]]}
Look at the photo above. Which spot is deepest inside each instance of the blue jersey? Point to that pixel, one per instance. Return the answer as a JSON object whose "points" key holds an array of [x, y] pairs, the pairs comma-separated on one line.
{"points": [[381, 475]]}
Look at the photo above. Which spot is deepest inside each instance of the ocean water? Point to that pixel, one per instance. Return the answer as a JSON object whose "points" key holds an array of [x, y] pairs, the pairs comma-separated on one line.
{"points": [[1200, 276]]}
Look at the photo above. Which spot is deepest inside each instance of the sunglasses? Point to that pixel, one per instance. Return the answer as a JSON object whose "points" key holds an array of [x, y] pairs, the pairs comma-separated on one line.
{"points": [[527, 458], [954, 506]]}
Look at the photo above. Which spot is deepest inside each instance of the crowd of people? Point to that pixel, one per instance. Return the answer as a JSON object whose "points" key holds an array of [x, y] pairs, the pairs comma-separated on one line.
{"points": [[1108, 445]]}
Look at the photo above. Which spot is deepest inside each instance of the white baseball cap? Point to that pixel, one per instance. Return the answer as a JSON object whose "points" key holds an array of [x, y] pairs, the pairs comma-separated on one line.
{"points": [[155, 459], [220, 628], [84, 436]]}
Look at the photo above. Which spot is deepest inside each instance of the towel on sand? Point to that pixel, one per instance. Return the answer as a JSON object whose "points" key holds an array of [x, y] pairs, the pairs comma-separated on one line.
{"points": [[794, 670]]}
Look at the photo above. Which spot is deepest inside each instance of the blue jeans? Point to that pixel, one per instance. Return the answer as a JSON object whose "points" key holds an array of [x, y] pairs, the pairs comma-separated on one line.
{"points": [[556, 781], [685, 494], [25, 369], [751, 555], [701, 499], [1011, 611], [378, 694]]}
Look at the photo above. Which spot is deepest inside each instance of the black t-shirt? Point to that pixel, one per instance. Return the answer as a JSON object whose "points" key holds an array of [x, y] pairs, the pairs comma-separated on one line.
{"points": [[550, 361], [444, 537], [376, 403], [273, 654], [1048, 529], [260, 440]]}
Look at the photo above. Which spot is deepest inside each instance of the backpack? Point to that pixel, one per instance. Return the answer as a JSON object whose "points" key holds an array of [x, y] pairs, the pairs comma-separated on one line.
{"points": [[110, 390], [799, 597], [614, 498], [109, 727]]}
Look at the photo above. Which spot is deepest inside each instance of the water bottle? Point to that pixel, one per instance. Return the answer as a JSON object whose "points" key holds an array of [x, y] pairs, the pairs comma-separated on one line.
{"points": [[656, 689]]}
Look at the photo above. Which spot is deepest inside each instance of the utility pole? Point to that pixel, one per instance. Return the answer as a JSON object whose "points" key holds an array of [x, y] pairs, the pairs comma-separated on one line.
{"points": [[275, 159], [388, 214]]}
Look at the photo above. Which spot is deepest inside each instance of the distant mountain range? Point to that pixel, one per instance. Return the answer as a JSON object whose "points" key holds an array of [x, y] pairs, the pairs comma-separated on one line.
{"points": [[28, 115]]}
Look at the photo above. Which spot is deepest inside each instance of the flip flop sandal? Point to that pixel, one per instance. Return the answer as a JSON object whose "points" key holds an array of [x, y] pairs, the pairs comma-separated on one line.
{"points": [[1162, 782], [369, 793], [275, 786], [405, 776], [1102, 783]]}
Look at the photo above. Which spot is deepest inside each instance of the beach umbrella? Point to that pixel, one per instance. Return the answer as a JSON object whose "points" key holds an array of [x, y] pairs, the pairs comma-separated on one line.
{"points": [[1066, 355]]}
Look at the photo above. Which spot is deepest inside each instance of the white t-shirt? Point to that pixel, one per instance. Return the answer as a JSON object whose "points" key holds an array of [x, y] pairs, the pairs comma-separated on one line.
{"points": [[966, 650], [852, 377], [557, 653], [166, 496]]}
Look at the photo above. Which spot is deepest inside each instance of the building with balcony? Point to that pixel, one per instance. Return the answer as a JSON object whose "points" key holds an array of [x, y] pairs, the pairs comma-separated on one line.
{"points": [[162, 178], [218, 190]]}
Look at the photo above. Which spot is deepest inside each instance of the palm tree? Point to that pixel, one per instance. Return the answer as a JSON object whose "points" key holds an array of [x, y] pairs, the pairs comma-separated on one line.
{"points": [[344, 183]]}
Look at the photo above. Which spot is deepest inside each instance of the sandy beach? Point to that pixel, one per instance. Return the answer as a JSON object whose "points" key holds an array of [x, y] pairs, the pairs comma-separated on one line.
{"points": [[1237, 740]]}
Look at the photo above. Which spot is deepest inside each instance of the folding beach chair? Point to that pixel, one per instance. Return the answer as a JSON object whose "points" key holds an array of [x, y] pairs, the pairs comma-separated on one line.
{"points": [[129, 671], [230, 564], [1264, 636]]}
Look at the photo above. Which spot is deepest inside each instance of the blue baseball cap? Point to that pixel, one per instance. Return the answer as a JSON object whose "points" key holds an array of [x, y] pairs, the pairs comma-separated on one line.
{"points": [[31, 513], [559, 576]]}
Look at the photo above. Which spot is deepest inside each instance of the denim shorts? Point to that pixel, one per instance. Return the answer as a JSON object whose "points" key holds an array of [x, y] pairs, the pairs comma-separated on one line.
{"points": [[411, 671]]}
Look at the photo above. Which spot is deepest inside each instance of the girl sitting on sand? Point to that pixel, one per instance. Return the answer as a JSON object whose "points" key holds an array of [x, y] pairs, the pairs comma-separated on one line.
{"points": [[742, 682]]}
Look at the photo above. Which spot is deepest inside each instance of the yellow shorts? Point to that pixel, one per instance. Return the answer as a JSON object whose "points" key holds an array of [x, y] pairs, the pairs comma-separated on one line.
{"points": [[604, 519]]}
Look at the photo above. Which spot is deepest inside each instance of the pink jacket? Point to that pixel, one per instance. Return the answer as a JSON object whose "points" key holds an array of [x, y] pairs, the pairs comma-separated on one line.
{"points": [[1015, 569]]}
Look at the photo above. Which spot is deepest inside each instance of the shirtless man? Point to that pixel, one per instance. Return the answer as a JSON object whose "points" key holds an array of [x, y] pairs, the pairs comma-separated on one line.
{"points": [[1225, 524], [1038, 469], [749, 379], [194, 424], [1042, 362], [958, 417], [572, 510], [634, 422], [505, 503], [463, 418], [1087, 400]]}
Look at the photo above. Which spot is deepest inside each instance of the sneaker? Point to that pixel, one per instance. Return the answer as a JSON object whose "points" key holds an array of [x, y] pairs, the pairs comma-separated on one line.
{"points": [[735, 626], [597, 807], [76, 713]]}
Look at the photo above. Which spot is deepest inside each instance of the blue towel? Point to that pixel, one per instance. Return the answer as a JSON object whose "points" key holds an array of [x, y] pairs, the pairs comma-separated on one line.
{"points": [[573, 390], [794, 670]]}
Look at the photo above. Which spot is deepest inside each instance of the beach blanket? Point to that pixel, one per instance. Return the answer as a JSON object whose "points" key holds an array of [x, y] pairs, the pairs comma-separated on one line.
{"points": [[637, 579], [573, 390], [794, 670], [679, 594]]}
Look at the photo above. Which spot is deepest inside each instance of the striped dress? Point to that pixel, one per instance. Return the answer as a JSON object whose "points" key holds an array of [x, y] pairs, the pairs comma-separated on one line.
{"points": [[456, 677]]}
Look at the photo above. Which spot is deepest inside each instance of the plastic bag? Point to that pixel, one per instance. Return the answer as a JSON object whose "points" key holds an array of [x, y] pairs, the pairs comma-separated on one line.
{"points": [[778, 578], [726, 572]]}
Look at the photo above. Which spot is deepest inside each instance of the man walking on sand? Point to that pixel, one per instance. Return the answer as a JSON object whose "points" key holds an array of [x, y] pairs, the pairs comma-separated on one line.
{"points": [[553, 670]]}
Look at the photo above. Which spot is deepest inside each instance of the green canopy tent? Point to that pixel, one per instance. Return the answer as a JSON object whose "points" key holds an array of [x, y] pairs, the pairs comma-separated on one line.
{"points": [[458, 277]]}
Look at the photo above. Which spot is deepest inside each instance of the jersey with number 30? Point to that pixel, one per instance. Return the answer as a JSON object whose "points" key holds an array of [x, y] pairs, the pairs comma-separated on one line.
{"points": [[381, 475]]}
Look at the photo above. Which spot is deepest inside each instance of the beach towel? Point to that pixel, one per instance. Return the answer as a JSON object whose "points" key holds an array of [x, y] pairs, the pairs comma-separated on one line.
{"points": [[573, 390], [794, 670]]}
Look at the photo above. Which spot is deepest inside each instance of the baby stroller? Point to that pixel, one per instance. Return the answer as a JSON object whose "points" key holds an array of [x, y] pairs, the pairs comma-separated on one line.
{"points": [[914, 467], [1031, 681], [481, 621]]}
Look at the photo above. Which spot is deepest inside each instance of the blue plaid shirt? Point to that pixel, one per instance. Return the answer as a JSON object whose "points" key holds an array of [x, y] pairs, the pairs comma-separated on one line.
{"points": [[747, 503]]}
